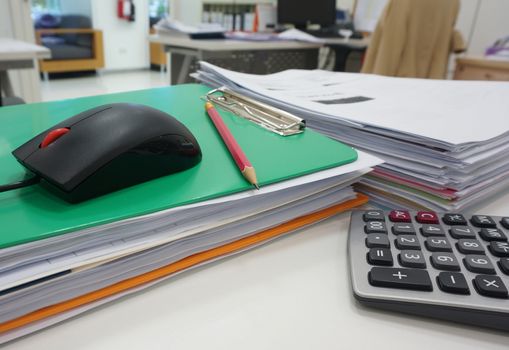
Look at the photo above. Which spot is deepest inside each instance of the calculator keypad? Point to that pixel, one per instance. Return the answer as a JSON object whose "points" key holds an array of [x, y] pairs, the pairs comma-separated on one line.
{"points": [[462, 253]]}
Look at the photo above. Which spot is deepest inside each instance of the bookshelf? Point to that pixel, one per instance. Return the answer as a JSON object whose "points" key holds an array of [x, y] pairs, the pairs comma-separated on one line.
{"points": [[239, 15]]}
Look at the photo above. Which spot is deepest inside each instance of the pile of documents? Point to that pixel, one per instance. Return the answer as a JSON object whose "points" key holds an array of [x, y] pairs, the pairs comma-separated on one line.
{"points": [[168, 26], [58, 260], [444, 143], [289, 34]]}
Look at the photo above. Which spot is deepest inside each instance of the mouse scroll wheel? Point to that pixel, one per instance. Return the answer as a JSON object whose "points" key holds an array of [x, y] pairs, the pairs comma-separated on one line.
{"points": [[52, 136]]}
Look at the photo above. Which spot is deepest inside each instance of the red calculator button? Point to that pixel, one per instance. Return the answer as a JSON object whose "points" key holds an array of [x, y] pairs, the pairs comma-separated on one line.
{"points": [[427, 217], [400, 216]]}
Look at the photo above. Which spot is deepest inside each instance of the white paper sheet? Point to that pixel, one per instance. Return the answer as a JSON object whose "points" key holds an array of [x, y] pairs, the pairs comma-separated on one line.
{"points": [[16, 270], [456, 112]]}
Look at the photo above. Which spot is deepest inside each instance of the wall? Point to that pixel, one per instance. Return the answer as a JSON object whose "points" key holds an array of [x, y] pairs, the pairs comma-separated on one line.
{"points": [[5, 20], [345, 4], [16, 23], [490, 24], [186, 11], [125, 43], [82, 7]]}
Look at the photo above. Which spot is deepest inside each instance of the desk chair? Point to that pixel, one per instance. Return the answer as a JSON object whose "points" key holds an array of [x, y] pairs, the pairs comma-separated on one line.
{"points": [[414, 38]]}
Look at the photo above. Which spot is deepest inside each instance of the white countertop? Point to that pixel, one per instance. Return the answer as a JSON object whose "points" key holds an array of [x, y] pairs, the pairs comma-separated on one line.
{"points": [[16, 50], [291, 294]]}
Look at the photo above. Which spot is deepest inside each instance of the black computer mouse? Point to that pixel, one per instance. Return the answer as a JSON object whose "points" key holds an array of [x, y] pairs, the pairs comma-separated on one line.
{"points": [[108, 148]]}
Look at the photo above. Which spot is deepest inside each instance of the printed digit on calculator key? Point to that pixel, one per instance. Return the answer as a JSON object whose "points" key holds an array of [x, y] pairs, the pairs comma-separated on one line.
{"points": [[432, 230], [445, 261], [375, 227], [403, 229], [470, 246], [407, 242], [462, 232], [374, 215]]}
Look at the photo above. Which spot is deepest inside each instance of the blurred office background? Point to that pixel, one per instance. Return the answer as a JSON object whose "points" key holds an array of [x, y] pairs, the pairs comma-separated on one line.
{"points": [[102, 46]]}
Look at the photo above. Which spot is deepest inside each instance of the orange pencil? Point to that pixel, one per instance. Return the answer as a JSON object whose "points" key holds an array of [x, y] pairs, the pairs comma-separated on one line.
{"points": [[238, 155]]}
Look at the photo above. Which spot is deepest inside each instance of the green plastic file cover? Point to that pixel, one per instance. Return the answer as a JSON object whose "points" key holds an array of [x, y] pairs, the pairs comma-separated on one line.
{"points": [[33, 213]]}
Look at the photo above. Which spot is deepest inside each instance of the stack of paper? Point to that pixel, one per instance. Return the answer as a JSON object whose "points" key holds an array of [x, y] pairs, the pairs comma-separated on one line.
{"points": [[168, 26], [444, 142], [289, 34], [58, 260]]}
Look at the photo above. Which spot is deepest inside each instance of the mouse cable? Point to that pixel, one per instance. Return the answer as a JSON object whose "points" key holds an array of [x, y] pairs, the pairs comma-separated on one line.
{"points": [[23, 183]]}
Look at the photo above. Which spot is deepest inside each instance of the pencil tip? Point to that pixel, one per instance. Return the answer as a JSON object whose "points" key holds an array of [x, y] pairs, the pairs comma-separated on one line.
{"points": [[256, 186]]}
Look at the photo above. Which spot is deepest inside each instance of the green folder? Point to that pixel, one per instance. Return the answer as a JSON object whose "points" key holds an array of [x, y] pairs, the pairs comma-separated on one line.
{"points": [[32, 213]]}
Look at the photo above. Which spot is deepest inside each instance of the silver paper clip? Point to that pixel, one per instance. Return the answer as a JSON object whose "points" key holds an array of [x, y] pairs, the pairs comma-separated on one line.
{"points": [[268, 117]]}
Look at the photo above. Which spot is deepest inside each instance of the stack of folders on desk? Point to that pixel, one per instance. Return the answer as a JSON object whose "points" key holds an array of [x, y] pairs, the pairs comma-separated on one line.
{"points": [[444, 143], [58, 260]]}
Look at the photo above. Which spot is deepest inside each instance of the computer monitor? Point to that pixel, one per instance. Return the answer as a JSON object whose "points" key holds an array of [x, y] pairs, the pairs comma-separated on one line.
{"points": [[301, 12]]}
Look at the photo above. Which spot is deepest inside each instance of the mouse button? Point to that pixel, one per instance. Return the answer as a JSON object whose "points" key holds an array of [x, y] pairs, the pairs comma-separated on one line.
{"points": [[78, 118], [54, 170], [32, 146], [73, 157], [52, 136]]}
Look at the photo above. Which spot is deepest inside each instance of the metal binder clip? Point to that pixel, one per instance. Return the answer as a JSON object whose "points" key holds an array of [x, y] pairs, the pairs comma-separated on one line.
{"points": [[268, 117]]}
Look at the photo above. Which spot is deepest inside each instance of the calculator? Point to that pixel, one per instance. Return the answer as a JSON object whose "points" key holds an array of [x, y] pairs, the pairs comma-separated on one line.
{"points": [[450, 266]]}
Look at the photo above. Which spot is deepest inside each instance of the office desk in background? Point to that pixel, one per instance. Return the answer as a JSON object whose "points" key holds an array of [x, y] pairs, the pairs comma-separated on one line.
{"points": [[480, 68], [344, 48], [15, 54], [293, 293], [259, 57]]}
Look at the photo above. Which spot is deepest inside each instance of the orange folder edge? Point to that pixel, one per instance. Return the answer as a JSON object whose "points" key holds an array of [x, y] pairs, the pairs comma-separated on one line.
{"points": [[185, 263]]}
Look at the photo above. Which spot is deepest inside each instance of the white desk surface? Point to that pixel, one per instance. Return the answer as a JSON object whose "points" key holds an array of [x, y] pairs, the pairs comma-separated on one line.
{"points": [[355, 43], [291, 294], [229, 45], [16, 50]]}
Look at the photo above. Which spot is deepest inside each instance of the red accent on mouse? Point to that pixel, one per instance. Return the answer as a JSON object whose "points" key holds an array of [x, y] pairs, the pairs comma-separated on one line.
{"points": [[53, 135]]}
